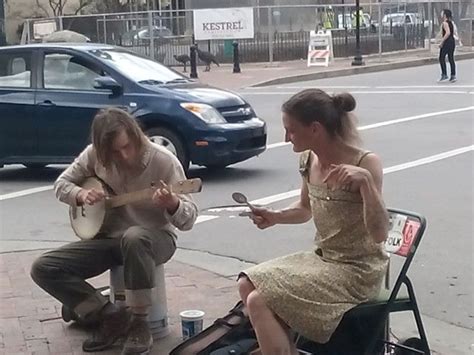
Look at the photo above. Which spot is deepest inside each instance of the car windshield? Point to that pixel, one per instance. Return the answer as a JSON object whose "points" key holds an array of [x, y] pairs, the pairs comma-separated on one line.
{"points": [[137, 68]]}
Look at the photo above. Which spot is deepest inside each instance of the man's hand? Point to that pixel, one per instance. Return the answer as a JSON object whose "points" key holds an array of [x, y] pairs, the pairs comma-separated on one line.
{"points": [[165, 198], [264, 218], [89, 196]]}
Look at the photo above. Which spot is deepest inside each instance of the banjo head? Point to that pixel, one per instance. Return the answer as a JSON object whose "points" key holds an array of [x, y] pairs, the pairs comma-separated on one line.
{"points": [[87, 220]]}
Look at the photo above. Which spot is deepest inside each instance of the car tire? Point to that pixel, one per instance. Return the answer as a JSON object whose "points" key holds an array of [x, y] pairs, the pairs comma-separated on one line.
{"points": [[170, 141]]}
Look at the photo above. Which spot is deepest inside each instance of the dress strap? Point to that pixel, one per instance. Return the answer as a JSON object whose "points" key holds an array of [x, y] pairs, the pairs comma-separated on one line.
{"points": [[305, 159], [362, 156]]}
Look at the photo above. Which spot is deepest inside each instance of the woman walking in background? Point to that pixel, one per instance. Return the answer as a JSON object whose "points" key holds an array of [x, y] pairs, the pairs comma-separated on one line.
{"points": [[447, 46]]}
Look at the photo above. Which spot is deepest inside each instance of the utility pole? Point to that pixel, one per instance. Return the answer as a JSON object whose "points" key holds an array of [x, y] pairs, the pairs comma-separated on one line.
{"points": [[358, 55]]}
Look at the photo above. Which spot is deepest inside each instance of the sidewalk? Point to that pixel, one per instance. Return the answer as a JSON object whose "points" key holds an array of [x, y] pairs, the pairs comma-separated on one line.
{"points": [[30, 319], [277, 73]]}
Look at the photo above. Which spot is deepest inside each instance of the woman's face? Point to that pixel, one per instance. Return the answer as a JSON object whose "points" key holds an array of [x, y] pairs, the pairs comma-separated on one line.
{"points": [[443, 16], [303, 137]]}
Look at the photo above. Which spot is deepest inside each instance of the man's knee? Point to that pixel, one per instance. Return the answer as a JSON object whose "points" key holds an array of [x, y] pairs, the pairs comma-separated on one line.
{"points": [[42, 269], [135, 237]]}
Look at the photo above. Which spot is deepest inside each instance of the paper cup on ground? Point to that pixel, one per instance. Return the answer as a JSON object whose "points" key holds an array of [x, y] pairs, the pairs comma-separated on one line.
{"points": [[191, 323]]}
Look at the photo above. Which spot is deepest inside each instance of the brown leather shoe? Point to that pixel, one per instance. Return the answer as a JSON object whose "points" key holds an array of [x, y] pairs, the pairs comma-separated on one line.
{"points": [[139, 339], [114, 325]]}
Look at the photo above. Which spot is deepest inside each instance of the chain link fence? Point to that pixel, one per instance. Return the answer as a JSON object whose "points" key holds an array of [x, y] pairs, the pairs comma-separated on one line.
{"points": [[281, 32]]}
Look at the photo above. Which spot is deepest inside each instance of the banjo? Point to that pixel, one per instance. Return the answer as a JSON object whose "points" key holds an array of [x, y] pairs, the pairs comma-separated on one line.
{"points": [[86, 220]]}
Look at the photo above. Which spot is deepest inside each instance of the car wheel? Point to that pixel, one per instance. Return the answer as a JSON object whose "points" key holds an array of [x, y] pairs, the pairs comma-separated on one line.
{"points": [[170, 141], [35, 165]]}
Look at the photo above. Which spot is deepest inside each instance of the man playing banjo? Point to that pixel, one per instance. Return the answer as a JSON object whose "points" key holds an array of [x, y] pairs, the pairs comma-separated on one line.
{"points": [[138, 236]]}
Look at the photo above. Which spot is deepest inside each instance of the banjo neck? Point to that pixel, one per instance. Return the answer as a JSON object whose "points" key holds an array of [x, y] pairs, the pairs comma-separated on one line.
{"points": [[181, 187], [129, 197]]}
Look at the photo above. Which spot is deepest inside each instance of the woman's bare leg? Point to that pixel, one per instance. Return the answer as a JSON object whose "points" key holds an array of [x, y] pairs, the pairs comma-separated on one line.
{"points": [[273, 338], [245, 288]]}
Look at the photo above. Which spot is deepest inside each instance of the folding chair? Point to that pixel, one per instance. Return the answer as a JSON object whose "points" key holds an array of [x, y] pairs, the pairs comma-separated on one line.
{"points": [[405, 232]]}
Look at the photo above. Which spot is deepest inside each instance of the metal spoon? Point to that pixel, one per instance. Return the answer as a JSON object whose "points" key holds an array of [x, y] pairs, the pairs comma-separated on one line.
{"points": [[241, 198]]}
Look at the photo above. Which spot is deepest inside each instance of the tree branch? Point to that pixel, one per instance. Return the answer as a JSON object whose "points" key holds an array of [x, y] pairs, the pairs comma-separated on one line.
{"points": [[42, 8], [84, 3]]}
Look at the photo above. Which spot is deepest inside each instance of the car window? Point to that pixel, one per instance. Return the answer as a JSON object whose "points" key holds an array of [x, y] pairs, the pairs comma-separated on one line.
{"points": [[64, 71], [15, 70], [135, 67]]}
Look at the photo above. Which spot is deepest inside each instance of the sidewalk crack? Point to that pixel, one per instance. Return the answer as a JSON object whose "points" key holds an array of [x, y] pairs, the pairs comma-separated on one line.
{"points": [[220, 255]]}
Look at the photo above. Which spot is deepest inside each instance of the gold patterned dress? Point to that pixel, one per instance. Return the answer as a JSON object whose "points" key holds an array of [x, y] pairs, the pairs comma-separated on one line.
{"points": [[310, 291]]}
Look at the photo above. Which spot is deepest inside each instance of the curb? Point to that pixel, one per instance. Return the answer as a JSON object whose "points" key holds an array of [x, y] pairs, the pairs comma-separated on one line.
{"points": [[357, 70]]}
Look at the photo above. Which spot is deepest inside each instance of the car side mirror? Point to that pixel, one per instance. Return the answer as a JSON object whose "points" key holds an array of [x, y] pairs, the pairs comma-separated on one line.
{"points": [[108, 83]]}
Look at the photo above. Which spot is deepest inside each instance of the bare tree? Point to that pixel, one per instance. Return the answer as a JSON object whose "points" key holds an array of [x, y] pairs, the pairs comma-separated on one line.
{"points": [[103, 6], [57, 7]]}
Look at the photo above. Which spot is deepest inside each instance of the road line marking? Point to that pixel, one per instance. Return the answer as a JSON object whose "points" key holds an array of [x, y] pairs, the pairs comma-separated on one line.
{"points": [[293, 193], [413, 118], [292, 87], [392, 122], [368, 92], [276, 145], [273, 145], [428, 160], [425, 87], [204, 218], [25, 192], [392, 169], [326, 87]]}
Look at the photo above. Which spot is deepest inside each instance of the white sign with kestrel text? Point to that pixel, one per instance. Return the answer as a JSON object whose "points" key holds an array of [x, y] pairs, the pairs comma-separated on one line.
{"points": [[229, 23]]}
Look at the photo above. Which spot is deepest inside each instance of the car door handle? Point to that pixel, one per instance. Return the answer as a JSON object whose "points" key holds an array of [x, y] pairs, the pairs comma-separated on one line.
{"points": [[47, 103]]}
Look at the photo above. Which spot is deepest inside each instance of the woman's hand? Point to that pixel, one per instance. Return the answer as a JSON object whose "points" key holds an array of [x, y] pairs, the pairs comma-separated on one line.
{"points": [[346, 177], [264, 218], [165, 198]]}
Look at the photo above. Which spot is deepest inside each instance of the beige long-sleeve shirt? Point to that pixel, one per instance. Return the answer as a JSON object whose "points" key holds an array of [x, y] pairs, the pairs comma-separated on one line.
{"points": [[158, 164]]}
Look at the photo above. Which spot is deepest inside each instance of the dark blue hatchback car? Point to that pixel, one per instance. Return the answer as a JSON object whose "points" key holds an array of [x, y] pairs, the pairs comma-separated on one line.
{"points": [[49, 94]]}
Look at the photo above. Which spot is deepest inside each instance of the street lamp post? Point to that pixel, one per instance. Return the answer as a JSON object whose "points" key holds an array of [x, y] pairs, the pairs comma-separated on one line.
{"points": [[358, 56]]}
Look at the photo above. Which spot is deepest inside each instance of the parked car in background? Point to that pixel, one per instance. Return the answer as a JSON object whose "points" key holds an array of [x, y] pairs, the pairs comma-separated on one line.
{"points": [[161, 35], [346, 21], [49, 94], [399, 19]]}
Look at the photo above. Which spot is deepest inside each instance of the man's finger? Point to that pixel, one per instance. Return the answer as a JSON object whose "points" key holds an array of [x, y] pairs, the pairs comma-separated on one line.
{"points": [[165, 186]]}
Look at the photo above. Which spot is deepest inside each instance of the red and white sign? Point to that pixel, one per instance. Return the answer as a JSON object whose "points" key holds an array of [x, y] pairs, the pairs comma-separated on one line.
{"points": [[409, 233], [319, 48]]}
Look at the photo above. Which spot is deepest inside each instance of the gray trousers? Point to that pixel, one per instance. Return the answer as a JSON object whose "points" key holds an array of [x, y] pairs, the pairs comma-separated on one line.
{"points": [[62, 272]]}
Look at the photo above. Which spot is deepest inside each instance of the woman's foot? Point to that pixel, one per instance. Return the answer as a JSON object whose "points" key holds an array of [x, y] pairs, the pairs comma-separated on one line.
{"points": [[452, 79]]}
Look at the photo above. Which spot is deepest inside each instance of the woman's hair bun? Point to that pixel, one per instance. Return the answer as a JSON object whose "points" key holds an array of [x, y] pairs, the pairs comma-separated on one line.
{"points": [[344, 102]]}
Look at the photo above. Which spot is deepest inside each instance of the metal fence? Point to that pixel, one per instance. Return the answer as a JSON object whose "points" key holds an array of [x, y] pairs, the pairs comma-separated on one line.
{"points": [[281, 32]]}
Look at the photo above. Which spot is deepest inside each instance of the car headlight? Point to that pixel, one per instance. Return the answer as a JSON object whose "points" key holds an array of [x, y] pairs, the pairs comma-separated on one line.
{"points": [[207, 113]]}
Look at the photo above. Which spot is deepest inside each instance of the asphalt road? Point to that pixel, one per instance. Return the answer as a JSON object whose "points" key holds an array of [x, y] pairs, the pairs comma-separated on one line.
{"points": [[404, 116]]}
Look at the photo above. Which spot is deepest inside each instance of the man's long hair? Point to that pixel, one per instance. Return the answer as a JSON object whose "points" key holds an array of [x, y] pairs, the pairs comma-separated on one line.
{"points": [[107, 125]]}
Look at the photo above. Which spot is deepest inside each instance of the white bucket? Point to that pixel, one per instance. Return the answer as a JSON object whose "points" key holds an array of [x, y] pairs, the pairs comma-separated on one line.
{"points": [[191, 323]]}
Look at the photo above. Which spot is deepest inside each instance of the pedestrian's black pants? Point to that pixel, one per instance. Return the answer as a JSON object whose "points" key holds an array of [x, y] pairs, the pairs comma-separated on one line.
{"points": [[448, 48], [62, 272]]}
